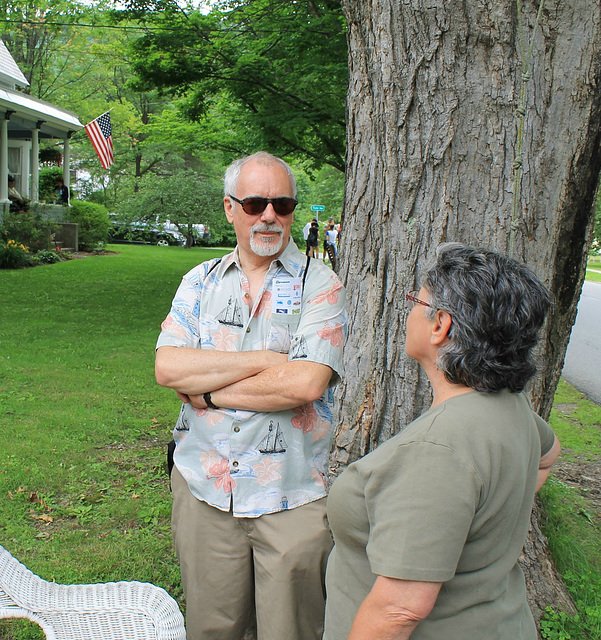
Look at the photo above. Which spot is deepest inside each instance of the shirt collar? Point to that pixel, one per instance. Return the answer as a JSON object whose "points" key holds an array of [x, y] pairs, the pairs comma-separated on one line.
{"points": [[291, 259]]}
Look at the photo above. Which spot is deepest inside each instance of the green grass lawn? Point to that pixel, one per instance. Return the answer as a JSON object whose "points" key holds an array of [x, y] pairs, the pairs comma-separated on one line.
{"points": [[593, 275], [573, 523], [593, 269], [84, 494]]}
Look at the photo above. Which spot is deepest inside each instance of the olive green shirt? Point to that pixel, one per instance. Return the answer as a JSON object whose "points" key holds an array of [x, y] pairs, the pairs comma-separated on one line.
{"points": [[446, 500]]}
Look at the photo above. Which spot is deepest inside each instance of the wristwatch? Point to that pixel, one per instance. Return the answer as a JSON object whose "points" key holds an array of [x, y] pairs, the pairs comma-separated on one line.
{"points": [[207, 399]]}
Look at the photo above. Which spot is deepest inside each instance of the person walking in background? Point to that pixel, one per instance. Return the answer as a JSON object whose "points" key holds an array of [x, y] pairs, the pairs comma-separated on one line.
{"points": [[326, 226], [428, 528], [252, 346], [332, 237], [306, 229], [313, 239]]}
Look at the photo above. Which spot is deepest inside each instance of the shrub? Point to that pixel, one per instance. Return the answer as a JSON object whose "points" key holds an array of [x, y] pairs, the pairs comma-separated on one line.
{"points": [[28, 228], [50, 256], [47, 188], [93, 221], [98, 197], [222, 237], [14, 255]]}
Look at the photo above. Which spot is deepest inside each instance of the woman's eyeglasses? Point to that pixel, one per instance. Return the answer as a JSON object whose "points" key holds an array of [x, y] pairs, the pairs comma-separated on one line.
{"points": [[254, 206], [412, 300]]}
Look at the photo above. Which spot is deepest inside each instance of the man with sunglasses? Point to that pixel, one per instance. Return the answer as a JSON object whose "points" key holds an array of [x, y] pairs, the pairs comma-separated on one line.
{"points": [[252, 346]]}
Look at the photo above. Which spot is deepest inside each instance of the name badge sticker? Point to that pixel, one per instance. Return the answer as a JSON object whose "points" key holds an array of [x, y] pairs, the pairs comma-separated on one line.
{"points": [[286, 295]]}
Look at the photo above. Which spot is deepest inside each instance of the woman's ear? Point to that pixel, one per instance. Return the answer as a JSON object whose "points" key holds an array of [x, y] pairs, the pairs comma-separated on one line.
{"points": [[441, 325]]}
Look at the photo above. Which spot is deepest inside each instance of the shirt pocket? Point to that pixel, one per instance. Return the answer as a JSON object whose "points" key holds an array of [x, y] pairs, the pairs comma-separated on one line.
{"points": [[281, 331]]}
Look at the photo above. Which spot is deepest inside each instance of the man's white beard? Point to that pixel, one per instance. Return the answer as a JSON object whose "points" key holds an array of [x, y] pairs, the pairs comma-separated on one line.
{"points": [[265, 247]]}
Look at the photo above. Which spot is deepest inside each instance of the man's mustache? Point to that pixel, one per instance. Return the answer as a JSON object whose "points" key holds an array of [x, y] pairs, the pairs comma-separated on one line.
{"points": [[266, 227]]}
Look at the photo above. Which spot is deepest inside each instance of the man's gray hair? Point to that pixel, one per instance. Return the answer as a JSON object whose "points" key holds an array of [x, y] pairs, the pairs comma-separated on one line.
{"points": [[232, 173], [497, 306]]}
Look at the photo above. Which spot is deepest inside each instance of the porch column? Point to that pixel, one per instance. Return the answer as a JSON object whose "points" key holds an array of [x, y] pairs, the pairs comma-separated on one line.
{"points": [[67, 162], [4, 158], [34, 187]]}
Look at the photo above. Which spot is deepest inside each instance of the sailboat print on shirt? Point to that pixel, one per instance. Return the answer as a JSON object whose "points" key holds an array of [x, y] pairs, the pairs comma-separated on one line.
{"points": [[230, 315], [182, 422], [274, 441], [299, 348]]}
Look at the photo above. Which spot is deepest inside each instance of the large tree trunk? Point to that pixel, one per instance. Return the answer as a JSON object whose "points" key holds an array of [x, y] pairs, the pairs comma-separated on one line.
{"points": [[438, 100]]}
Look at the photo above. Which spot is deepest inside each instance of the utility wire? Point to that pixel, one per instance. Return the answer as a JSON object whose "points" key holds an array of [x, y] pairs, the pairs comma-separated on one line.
{"points": [[92, 26]]}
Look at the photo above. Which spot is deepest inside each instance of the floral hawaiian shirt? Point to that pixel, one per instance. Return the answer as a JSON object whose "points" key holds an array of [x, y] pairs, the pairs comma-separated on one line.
{"points": [[254, 462]]}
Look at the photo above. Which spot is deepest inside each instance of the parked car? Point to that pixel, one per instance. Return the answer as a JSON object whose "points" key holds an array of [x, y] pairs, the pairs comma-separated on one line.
{"points": [[140, 232]]}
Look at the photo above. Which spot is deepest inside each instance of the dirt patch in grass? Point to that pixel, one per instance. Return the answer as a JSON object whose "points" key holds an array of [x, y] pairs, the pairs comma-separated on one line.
{"points": [[584, 476], [87, 254], [579, 465]]}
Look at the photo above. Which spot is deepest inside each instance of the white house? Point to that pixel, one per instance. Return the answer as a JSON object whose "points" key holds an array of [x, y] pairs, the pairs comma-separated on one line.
{"points": [[25, 120]]}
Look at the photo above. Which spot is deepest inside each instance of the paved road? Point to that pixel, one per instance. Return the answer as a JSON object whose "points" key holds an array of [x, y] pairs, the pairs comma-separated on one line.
{"points": [[582, 366]]}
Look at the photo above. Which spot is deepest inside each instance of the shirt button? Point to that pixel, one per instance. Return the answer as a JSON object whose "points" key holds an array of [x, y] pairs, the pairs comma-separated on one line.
{"points": [[236, 429], [247, 295], [235, 463], [248, 330]]}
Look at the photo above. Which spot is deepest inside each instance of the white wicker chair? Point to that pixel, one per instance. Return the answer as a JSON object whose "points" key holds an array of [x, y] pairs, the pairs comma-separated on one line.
{"points": [[108, 611]]}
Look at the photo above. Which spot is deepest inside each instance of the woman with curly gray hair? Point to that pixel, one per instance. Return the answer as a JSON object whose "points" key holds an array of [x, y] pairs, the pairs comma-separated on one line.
{"points": [[429, 527]]}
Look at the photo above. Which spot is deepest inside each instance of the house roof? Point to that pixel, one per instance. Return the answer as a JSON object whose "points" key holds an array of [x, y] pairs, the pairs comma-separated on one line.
{"points": [[9, 71], [28, 111]]}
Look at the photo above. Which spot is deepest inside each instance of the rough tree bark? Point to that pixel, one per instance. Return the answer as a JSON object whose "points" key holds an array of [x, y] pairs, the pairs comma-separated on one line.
{"points": [[444, 125]]}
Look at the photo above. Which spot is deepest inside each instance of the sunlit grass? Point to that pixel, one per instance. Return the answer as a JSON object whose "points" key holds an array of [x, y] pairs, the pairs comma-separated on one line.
{"points": [[84, 494], [573, 525], [594, 276]]}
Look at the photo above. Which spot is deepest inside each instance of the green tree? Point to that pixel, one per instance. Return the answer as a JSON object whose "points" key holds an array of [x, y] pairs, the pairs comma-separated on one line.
{"points": [[183, 199], [38, 36], [260, 74], [455, 133]]}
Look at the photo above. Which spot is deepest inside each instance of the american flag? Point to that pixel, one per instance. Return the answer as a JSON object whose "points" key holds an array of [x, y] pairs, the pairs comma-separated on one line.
{"points": [[99, 131]]}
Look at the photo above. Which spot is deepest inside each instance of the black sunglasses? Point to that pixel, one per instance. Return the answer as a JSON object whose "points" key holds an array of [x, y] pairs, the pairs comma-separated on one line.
{"points": [[255, 205]]}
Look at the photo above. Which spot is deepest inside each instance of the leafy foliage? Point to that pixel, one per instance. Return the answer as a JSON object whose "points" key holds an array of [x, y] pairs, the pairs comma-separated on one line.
{"points": [[47, 188], [51, 256], [281, 67], [27, 228], [35, 34], [93, 221], [14, 255], [185, 199]]}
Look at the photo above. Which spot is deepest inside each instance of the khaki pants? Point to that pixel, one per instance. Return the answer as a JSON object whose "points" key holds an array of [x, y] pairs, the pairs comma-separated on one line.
{"points": [[274, 564]]}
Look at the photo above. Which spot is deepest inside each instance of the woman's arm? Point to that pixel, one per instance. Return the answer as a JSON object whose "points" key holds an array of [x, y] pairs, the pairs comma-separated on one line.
{"points": [[546, 462], [393, 608]]}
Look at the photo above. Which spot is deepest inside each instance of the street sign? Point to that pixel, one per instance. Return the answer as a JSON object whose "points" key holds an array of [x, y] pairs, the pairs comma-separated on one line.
{"points": [[317, 207]]}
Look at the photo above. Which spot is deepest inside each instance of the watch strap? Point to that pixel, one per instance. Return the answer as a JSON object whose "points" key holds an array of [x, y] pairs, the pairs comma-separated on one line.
{"points": [[207, 398]]}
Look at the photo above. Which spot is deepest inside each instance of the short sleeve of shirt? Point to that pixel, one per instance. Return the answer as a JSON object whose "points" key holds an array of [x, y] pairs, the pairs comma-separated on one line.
{"points": [[547, 437], [421, 502], [181, 326], [321, 330]]}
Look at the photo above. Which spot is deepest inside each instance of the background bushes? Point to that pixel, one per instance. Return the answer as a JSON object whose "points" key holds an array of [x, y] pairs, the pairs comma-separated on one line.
{"points": [[14, 255], [28, 228], [93, 221], [47, 184]]}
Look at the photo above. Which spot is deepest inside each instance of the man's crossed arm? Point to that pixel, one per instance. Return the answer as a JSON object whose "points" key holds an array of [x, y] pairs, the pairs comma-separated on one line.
{"points": [[249, 380]]}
